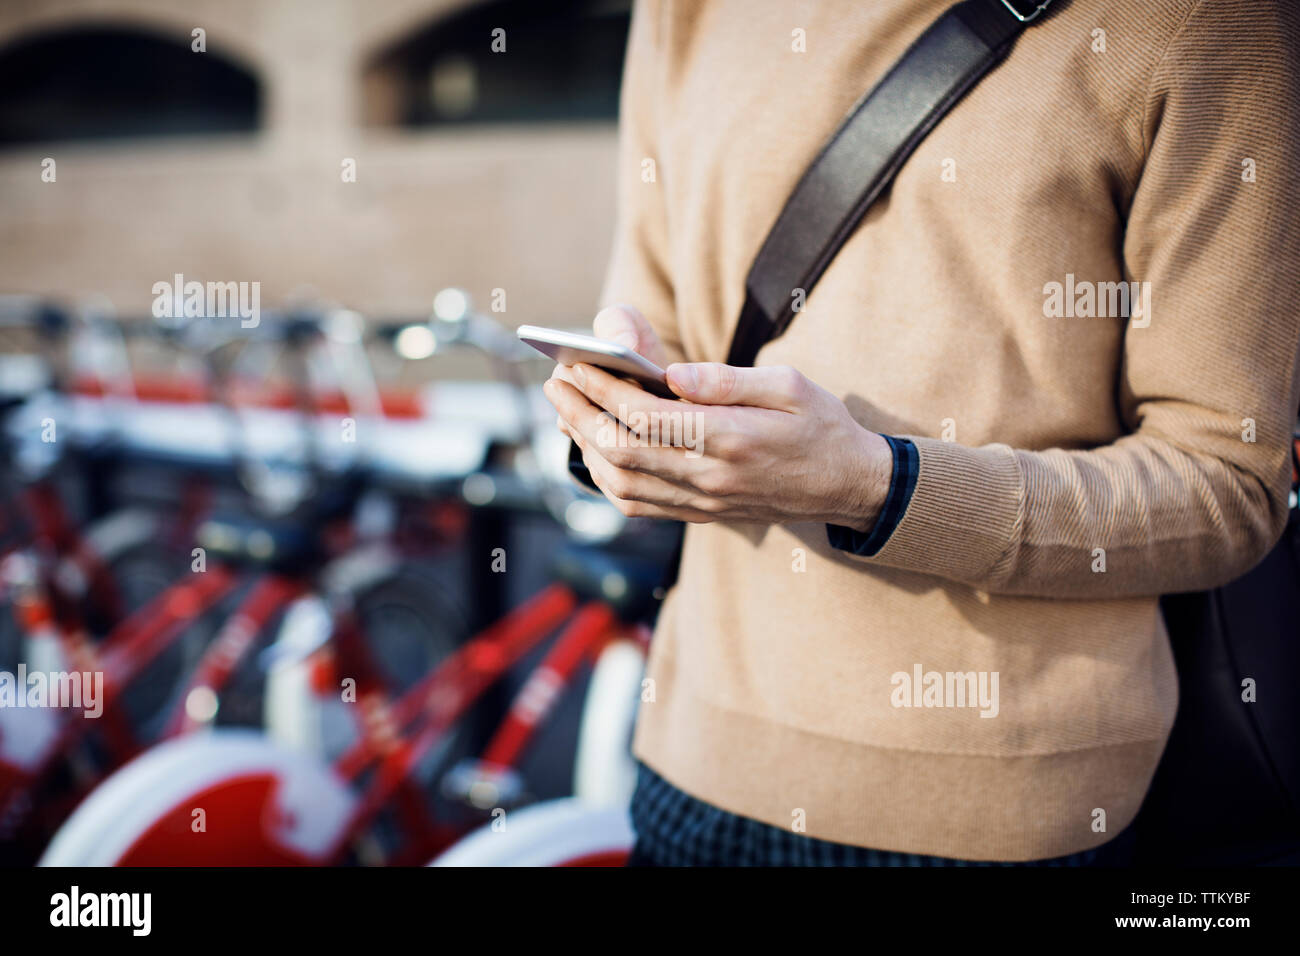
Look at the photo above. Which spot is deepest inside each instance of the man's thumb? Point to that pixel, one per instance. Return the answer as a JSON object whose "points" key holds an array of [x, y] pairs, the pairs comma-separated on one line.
{"points": [[627, 326], [712, 383]]}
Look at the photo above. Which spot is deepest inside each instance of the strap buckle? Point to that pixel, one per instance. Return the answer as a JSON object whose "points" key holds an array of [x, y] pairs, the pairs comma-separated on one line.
{"points": [[1026, 11]]}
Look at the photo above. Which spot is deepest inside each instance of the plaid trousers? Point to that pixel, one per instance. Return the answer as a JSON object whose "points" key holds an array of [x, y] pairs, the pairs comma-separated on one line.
{"points": [[675, 829]]}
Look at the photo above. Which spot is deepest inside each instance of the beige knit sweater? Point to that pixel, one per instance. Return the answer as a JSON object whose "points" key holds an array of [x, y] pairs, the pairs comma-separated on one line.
{"points": [[1073, 466]]}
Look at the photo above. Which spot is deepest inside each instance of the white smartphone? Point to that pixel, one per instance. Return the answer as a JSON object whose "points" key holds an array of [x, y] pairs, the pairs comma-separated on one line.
{"points": [[568, 348]]}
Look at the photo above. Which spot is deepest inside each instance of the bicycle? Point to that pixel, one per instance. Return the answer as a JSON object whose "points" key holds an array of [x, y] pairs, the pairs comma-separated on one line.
{"points": [[369, 791], [281, 806], [285, 555]]}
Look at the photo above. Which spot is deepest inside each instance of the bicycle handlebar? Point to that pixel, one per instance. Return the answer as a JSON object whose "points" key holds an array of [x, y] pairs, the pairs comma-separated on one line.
{"points": [[344, 336], [29, 311]]}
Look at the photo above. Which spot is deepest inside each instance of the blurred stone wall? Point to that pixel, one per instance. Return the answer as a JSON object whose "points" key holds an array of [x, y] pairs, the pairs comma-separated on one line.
{"points": [[528, 209]]}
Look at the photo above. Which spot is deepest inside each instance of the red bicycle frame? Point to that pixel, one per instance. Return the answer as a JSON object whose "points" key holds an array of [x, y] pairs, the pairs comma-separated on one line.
{"points": [[121, 657], [395, 737]]}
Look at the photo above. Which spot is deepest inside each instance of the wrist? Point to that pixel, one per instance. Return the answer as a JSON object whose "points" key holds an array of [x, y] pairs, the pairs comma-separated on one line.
{"points": [[866, 481]]}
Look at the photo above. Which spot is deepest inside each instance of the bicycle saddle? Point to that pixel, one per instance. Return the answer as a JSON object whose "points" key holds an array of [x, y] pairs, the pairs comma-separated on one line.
{"points": [[627, 582], [278, 543]]}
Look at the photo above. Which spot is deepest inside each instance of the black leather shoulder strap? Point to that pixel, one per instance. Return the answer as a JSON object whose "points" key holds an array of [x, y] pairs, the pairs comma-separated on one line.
{"points": [[861, 159]]}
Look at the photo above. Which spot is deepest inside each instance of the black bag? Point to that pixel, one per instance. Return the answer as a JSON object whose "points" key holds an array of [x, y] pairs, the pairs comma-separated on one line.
{"points": [[1227, 789]]}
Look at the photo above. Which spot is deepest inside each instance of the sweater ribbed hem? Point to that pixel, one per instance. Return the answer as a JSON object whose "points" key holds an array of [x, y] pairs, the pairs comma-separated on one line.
{"points": [[968, 497], [957, 806]]}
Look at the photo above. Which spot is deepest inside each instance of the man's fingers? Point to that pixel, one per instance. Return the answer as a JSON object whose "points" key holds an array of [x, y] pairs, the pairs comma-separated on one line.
{"points": [[564, 374], [620, 398], [642, 496], [713, 383], [587, 423], [632, 485], [621, 324], [627, 326], [591, 426]]}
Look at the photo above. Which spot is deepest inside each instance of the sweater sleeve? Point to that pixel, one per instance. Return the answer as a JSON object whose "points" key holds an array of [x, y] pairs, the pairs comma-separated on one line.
{"points": [[638, 272], [1196, 492]]}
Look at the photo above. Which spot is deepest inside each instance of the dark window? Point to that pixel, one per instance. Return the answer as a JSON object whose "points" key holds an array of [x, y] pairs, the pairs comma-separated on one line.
{"points": [[94, 83], [563, 60]]}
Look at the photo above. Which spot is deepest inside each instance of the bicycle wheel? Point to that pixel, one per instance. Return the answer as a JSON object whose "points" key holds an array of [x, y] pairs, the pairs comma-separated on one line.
{"points": [[411, 624], [229, 798], [563, 832], [141, 573]]}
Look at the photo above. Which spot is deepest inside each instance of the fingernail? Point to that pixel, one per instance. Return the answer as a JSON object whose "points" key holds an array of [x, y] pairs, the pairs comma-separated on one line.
{"points": [[627, 340], [685, 377], [579, 375]]}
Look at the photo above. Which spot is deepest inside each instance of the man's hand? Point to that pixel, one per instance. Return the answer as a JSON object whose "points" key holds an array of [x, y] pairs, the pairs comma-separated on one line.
{"points": [[627, 326], [761, 444]]}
